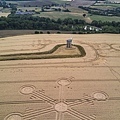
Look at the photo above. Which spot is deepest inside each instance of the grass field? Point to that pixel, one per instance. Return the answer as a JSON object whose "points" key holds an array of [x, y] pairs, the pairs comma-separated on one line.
{"points": [[105, 18], [62, 15], [28, 8], [103, 7], [6, 10], [1, 8], [76, 13], [4, 14], [86, 88], [114, 5]]}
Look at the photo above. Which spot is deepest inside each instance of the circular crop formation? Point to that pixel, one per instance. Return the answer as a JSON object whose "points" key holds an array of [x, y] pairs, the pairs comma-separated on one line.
{"points": [[100, 96], [64, 82], [104, 46], [116, 47], [13, 116], [27, 89], [61, 107]]}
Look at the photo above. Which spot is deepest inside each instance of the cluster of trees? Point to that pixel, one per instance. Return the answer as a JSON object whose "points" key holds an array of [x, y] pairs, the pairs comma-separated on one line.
{"points": [[108, 12], [41, 23], [41, 32], [55, 7], [17, 22], [107, 27], [4, 4], [10, 5]]}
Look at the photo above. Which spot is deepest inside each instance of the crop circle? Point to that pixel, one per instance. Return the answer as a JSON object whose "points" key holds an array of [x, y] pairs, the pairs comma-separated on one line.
{"points": [[64, 82], [61, 107], [116, 47], [100, 96], [27, 89], [13, 116], [104, 46]]}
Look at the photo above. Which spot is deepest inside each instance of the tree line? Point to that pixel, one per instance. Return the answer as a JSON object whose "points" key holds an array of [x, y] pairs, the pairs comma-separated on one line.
{"points": [[97, 11], [25, 22]]}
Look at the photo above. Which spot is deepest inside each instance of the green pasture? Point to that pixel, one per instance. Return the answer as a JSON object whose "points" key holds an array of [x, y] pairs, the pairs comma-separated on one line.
{"points": [[54, 1], [29, 8], [62, 15], [4, 14], [58, 1], [105, 18], [6, 10], [76, 10], [1, 8], [114, 5], [16, 2], [103, 7]]}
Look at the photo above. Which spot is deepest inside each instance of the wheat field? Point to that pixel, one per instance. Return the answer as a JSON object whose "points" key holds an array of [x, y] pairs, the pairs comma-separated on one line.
{"points": [[84, 88]]}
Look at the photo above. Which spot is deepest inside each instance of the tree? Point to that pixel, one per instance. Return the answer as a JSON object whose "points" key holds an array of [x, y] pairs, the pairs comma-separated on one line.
{"points": [[36, 32], [66, 10], [3, 25], [58, 32], [48, 32], [84, 15], [41, 32], [74, 32], [59, 21], [42, 9]]}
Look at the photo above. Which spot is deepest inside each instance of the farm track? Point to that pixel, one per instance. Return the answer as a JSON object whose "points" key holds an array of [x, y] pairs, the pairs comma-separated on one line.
{"points": [[38, 81], [41, 101], [22, 102], [67, 66]]}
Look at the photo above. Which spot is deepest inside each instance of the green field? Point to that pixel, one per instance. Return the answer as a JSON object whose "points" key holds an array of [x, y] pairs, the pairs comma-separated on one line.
{"points": [[76, 13], [29, 8], [105, 18], [57, 1], [1, 8], [4, 14], [62, 15], [114, 0], [114, 5], [103, 7], [6, 10]]}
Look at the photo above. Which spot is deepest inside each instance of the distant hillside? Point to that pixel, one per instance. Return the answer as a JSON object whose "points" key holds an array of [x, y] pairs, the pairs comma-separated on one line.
{"points": [[40, 3], [82, 2], [37, 3], [48, 2]]}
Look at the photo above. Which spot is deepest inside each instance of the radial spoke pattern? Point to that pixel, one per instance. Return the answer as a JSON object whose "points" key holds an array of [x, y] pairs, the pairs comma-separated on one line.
{"points": [[79, 115], [40, 95], [59, 115], [87, 99], [60, 107], [32, 114]]}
